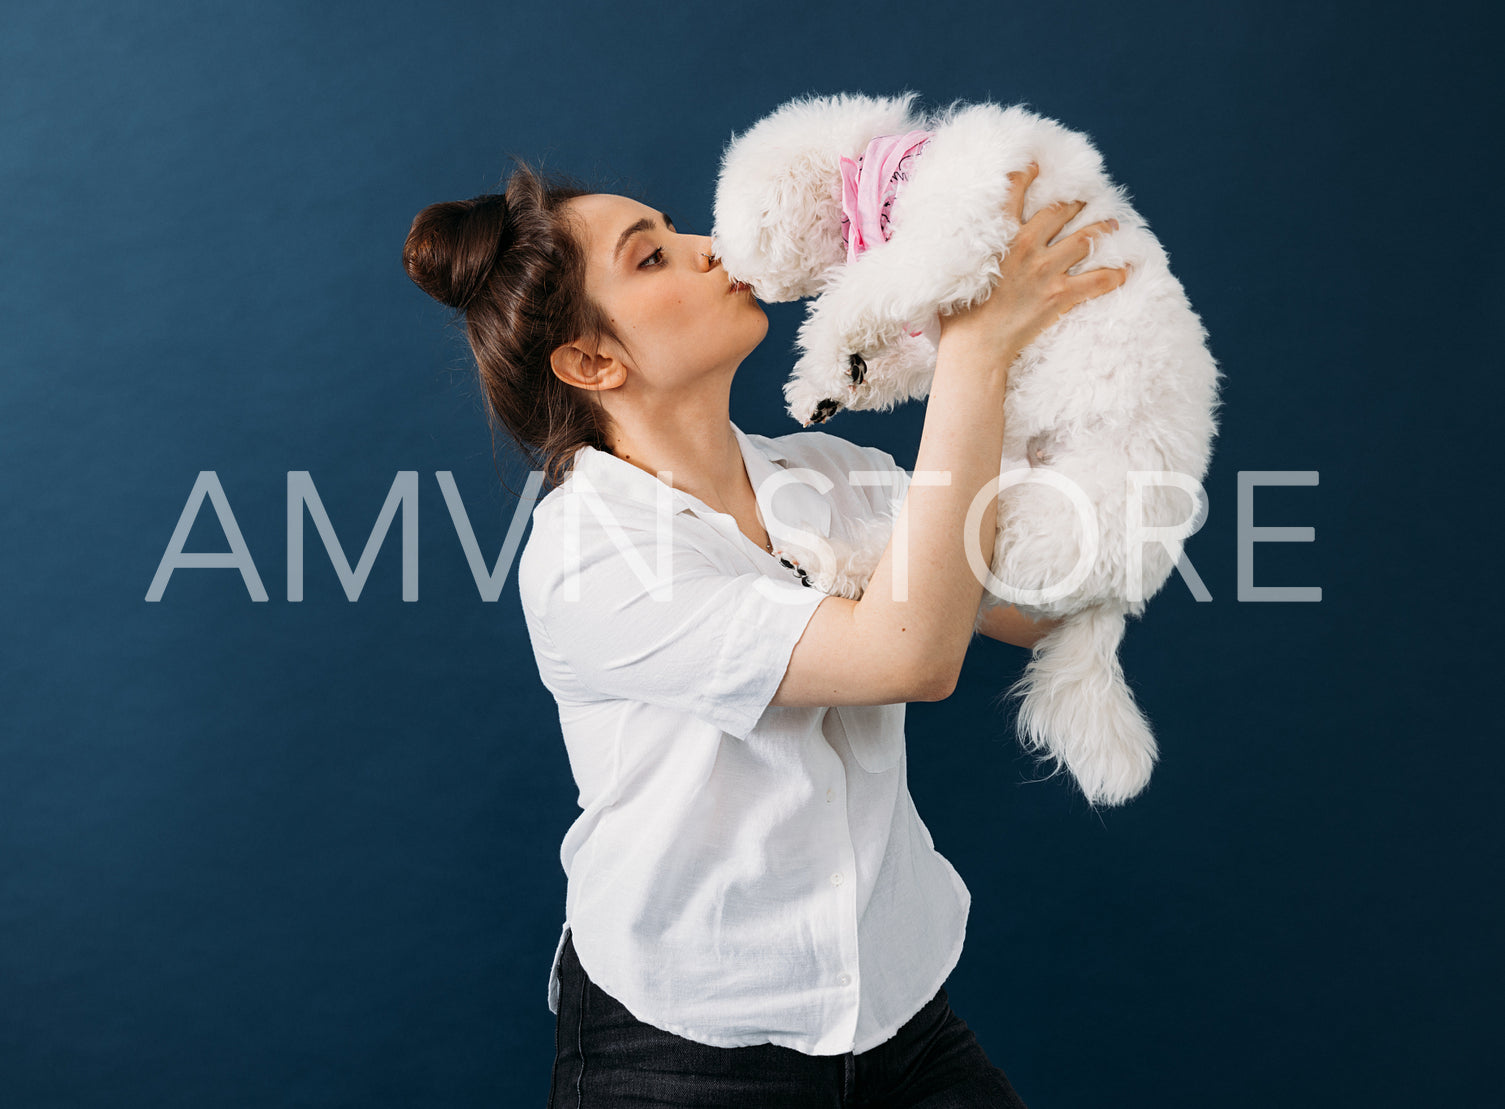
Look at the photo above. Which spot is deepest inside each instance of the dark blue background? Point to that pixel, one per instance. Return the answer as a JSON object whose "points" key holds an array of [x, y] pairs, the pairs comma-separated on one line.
{"points": [[307, 854]]}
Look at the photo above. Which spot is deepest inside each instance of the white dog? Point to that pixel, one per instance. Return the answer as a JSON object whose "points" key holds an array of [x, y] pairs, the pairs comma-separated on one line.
{"points": [[888, 219]]}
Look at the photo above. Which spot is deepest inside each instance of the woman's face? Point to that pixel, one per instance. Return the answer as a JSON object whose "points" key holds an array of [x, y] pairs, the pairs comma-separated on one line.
{"points": [[679, 317]]}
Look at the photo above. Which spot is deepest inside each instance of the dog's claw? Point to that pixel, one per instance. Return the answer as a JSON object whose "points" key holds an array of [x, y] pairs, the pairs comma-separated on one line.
{"points": [[858, 368]]}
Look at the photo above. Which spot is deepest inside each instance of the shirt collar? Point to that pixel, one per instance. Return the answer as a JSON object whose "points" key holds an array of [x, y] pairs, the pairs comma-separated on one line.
{"points": [[800, 505]]}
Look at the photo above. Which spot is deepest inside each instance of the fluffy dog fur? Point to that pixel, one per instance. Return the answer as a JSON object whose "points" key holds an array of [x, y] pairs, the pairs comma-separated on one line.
{"points": [[1122, 383]]}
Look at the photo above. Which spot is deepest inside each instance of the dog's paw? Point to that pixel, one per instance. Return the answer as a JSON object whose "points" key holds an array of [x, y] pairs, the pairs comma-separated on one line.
{"points": [[1043, 447], [809, 404], [1035, 451], [825, 410]]}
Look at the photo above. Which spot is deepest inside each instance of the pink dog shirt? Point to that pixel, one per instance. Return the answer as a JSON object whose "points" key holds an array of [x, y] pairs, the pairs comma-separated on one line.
{"points": [[870, 185]]}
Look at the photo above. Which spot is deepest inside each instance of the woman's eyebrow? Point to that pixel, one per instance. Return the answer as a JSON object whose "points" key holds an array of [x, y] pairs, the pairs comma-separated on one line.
{"points": [[644, 224]]}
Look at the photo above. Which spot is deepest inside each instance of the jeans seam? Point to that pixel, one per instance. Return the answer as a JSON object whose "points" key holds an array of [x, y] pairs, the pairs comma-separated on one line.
{"points": [[580, 1042], [554, 1073]]}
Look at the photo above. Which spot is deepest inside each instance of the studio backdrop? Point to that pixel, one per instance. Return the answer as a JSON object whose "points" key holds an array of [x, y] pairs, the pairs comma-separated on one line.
{"points": [[281, 794]]}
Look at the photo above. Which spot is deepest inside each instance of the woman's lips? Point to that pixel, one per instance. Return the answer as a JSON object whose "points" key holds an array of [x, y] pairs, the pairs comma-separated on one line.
{"points": [[739, 287]]}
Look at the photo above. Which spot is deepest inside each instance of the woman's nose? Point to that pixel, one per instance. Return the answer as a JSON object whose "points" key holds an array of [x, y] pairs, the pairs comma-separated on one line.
{"points": [[711, 261]]}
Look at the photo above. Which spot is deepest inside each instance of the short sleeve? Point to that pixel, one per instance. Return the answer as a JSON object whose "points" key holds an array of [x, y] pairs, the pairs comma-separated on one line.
{"points": [[885, 497], [889, 498], [697, 639]]}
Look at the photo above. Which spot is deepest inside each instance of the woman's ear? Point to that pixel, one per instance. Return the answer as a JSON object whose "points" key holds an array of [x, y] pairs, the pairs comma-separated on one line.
{"points": [[574, 365]]}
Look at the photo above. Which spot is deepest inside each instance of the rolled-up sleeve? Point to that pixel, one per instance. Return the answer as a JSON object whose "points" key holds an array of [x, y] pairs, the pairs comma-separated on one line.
{"points": [[698, 639], [885, 497]]}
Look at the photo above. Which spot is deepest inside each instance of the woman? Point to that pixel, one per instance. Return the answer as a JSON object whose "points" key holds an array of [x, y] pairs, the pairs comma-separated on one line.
{"points": [[764, 916]]}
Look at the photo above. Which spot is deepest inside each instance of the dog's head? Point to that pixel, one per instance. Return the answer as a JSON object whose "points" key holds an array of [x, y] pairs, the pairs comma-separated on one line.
{"points": [[778, 200]]}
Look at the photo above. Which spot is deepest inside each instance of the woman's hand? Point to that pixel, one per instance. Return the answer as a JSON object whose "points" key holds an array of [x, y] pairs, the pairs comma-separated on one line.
{"points": [[1033, 289]]}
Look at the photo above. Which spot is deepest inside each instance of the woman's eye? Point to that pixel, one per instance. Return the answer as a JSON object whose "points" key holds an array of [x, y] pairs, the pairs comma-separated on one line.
{"points": [[644, 264]]}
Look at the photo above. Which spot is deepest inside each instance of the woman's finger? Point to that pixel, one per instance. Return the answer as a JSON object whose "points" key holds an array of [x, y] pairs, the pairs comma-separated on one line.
{"points": [[1048, 221], [1095, 283], [1021, 180], [1078, 245]]}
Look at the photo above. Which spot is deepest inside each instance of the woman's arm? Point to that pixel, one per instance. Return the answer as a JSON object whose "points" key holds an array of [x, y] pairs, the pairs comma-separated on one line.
{"points": [[1007, 624], [906, 638]]}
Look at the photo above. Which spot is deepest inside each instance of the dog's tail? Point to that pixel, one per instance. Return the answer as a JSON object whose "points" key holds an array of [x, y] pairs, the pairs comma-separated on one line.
{"points": [[1077, 709]]}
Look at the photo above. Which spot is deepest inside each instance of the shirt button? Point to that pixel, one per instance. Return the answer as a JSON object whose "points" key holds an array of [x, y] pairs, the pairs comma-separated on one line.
{"points": [[830, 796], [836, 879], [845, 980]]}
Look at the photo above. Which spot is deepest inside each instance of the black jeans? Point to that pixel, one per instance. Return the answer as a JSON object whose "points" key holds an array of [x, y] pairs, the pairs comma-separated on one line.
{"points": [[605, 1058]]}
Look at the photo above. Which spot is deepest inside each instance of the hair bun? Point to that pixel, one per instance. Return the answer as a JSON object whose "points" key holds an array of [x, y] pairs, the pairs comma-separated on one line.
{"points": [[453, 246]]}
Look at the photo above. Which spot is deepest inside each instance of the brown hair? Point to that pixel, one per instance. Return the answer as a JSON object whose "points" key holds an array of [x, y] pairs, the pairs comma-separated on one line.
{"points": [[510, 263]]}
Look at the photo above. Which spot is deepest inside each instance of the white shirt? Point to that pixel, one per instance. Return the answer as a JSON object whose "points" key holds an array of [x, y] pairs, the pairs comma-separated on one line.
{"points": [[739, 873]]}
